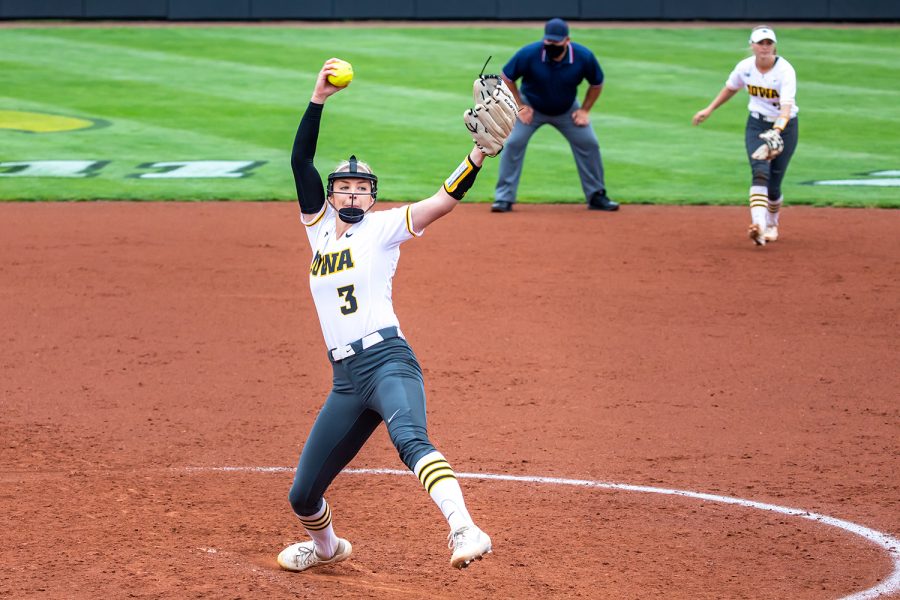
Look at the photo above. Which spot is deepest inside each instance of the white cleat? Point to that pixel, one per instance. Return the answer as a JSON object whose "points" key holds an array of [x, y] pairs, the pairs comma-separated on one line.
{"points": [[302, 556], [468, 543], [756, 234], [771, 233]]}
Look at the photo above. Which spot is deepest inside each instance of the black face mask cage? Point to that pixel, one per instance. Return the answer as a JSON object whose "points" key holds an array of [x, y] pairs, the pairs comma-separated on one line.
{"points": [[352, 214]]}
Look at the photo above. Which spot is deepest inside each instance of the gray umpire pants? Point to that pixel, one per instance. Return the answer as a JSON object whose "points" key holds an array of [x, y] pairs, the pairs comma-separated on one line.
{"points": [[582, 140]]}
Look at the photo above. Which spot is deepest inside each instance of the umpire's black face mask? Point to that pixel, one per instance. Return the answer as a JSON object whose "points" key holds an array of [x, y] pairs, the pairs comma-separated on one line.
{"points": [[553, 51]]}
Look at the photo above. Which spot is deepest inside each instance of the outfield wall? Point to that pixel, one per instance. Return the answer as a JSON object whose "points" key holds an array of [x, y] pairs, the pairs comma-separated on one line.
{"points": [[244, 10]]}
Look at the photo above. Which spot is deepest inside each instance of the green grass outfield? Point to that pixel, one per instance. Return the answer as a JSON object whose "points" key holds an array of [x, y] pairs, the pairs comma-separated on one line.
{"points": [[237, 93]]}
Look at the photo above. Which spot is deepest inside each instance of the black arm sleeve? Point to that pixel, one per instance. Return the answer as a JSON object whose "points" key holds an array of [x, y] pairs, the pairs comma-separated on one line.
{"points": [[310, 192]]}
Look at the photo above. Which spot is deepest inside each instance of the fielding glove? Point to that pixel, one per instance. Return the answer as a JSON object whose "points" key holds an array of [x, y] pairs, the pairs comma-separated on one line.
{"points": [[491, 121], [773, 145]]}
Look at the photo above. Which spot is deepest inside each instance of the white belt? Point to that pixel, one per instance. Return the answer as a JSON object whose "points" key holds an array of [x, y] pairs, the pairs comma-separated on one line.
{"points": [[763, 117], [342, 352]]}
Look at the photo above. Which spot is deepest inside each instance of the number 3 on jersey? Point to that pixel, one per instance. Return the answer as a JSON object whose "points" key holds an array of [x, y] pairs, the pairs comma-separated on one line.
{"points": [[346, 293]]}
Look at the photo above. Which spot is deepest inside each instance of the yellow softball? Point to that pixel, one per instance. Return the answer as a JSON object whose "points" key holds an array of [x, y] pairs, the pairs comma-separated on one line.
{"points": [[343, 73]]}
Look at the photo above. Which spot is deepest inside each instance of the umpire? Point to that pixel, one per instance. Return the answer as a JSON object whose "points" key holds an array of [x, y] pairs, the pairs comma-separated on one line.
{"points": [[551, 71]]}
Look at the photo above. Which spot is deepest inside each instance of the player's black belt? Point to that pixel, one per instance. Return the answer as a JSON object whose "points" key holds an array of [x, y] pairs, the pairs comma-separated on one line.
{"points": [[342, 352]]}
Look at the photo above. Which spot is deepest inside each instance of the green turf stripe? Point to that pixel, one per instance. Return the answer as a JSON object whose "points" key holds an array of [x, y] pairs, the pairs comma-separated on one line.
{"points": [[238, 92]]}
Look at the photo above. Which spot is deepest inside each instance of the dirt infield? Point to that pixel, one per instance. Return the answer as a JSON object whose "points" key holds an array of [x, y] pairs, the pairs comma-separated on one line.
{"points": [[146, 345]]}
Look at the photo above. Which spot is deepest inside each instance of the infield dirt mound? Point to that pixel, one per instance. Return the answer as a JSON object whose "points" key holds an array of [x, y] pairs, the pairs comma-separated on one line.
{"points": [[655, 346]]}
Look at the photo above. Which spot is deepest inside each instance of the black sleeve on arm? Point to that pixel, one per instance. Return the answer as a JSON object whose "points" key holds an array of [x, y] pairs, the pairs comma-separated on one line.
{"points": [[310, 192]]}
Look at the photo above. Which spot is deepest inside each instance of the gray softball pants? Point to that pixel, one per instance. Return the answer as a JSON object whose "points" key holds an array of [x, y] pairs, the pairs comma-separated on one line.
{"points": [[582, 140], [382, 383], [770, 173]]}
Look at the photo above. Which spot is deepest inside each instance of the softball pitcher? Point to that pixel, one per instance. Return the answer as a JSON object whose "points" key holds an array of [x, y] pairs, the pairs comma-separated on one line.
{"points": [[376, 375], [772, 127]]}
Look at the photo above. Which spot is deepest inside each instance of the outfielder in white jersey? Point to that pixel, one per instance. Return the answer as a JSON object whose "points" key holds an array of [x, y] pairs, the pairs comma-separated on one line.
{"points": [[772, 127], [376, 376]]}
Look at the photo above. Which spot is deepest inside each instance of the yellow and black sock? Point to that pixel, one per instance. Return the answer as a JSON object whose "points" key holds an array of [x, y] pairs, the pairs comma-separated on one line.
{"points": [[439, 480], [774, 206], [319, 528], [759, 204]]}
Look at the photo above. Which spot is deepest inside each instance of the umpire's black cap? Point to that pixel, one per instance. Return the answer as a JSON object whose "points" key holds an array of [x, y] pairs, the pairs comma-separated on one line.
{"points": [[556, 30]]}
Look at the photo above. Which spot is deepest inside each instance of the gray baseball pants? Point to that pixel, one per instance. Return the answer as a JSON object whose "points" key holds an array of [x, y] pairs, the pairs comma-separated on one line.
{"points": [[770, 173], [381, 384]]}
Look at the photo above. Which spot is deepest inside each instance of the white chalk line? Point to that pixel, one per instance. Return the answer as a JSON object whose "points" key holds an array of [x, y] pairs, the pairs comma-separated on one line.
{"points": [[888, 543]]}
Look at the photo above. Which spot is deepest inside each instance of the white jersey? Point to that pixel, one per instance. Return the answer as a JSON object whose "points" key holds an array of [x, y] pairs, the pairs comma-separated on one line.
{"points": [[767, 90], [351, 277]]}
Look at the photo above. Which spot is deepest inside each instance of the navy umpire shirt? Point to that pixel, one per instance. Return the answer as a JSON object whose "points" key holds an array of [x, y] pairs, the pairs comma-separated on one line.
{"points": [[550, 86]]}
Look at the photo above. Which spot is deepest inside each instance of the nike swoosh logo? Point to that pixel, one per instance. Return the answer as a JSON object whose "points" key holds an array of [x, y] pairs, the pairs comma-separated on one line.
{"points": [[347, 234], [391, 418]]}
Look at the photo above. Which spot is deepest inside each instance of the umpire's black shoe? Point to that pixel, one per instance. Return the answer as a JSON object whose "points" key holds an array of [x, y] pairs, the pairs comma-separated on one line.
{"points": [[501, 206], [602, 202]]}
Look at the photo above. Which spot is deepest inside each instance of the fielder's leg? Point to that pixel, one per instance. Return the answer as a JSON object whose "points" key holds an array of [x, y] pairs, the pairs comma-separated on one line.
{"points": [[759, 188], [774, 207], [778, 168]]}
